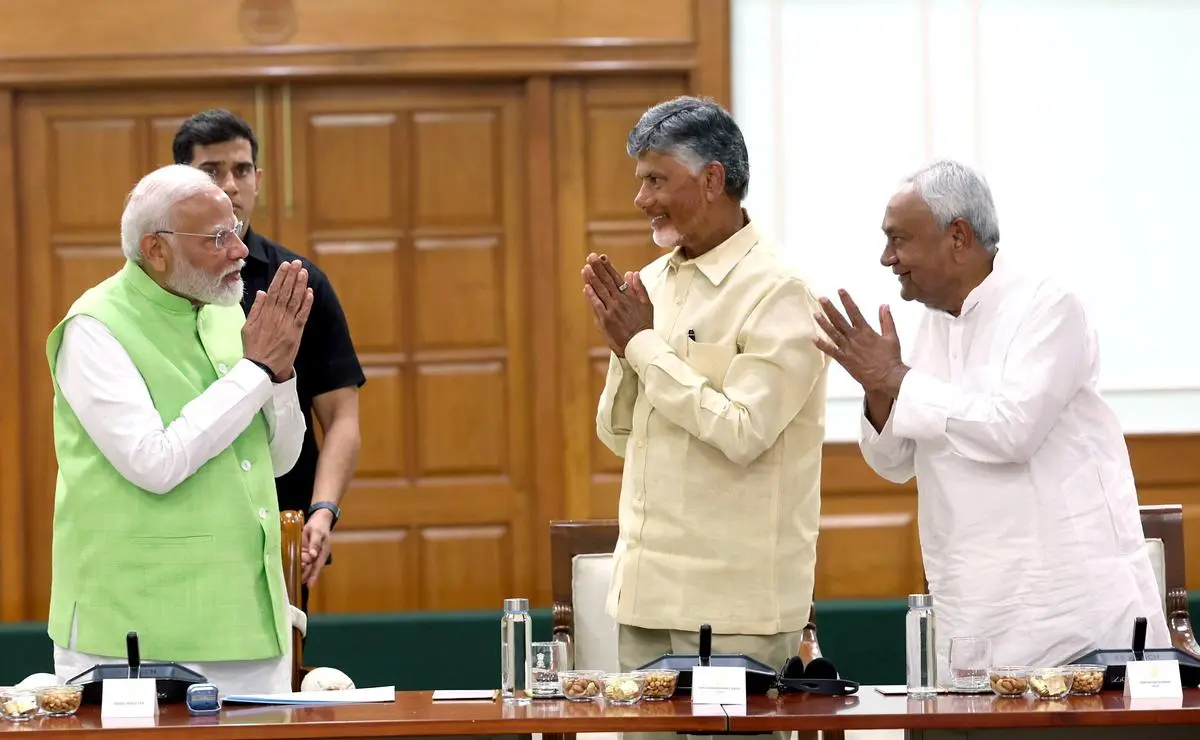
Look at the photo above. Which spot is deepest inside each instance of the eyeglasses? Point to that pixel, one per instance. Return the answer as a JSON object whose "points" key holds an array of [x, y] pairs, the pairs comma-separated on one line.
{"points": [[220, 239]]}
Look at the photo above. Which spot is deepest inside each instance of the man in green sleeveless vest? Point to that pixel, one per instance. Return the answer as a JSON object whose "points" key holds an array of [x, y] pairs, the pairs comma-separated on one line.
{"points": [[173, 413]]}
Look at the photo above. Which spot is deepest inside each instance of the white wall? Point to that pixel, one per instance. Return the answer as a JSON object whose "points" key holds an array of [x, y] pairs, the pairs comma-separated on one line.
{"points": [[1084, 115]]}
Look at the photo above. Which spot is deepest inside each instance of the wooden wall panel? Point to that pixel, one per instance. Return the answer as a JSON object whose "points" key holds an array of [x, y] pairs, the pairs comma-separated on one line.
{"points": [[427, 258], [45, 43], [12, 499], [225, 26]]}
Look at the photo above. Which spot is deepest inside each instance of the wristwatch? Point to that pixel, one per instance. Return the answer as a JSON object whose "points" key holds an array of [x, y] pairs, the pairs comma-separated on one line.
{"points": [[332, 507], [270, 373]]}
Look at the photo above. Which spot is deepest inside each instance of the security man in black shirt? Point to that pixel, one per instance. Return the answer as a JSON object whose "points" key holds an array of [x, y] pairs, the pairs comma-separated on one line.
{"points": [[328, 373]]}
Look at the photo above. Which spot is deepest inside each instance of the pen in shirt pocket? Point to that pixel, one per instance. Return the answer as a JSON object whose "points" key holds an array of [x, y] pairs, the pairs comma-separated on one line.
{"points": [[692, 334]]}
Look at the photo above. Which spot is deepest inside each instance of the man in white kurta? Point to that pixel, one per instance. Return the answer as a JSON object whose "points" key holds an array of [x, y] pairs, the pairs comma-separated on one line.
{"points": [[1027, 509]]}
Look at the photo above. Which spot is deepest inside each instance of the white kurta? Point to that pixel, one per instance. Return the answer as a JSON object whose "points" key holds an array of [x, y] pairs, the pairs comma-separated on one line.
{"points": [[107, 393], [1027, 510]]}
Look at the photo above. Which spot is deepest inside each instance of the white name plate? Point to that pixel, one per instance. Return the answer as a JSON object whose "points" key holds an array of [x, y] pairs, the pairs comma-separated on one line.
{"points": [[129, 698], [1153, 679], [724, 685]]}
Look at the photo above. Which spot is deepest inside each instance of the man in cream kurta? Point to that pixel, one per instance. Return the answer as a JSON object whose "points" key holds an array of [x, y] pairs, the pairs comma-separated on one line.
{"points": [[715, 397], [1027, 508]]}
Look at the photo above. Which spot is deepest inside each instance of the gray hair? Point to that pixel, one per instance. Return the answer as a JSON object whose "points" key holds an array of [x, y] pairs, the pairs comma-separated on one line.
{"points": [[149, 206], [953, 191], [696, 131]]}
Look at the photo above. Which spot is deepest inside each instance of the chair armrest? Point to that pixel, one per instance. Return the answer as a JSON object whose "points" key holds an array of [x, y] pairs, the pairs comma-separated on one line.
{"points": [[563, 621], [810, 648], [1179, 622], [299, 620]]}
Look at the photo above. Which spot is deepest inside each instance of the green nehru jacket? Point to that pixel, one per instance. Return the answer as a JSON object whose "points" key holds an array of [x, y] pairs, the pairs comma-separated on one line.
{"points": [[196, 571]]}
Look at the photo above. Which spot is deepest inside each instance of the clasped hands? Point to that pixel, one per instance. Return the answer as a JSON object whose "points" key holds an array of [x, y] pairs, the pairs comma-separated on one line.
{"points": [[621, 305], [872, 358], [271, 334]]}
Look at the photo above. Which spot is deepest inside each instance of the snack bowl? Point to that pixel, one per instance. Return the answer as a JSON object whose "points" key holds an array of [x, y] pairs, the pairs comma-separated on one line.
{"points": [[60, 701], [660, 683], [18, 705], [581, 685], [1088, 679], [1009, 680], [624, 688], [1051, 683]]}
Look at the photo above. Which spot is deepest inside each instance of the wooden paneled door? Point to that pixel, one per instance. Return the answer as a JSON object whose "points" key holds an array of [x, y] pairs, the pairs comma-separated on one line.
{"points": [[411, 198], [596, 186], [79, 155]]}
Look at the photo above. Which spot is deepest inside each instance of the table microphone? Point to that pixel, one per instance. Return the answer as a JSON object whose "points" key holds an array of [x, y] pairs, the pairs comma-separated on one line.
{"points": [[133, 655], [705, 644], [1139, 638]]}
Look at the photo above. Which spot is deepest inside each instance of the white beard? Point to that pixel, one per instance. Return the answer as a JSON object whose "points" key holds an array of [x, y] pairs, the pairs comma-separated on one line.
{"points": [[201, 287], [666, 236]]}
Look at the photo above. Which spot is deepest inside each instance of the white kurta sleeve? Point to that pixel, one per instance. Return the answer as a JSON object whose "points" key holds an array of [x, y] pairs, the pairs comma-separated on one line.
{"points": [[285, 425], [1043, 366], [765, 386], [890, 456], [107, 393], [614, 413]]}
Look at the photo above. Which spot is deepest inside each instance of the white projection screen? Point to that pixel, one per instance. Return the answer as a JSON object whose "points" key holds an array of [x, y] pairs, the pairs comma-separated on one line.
{"points": [[1084, 115]]}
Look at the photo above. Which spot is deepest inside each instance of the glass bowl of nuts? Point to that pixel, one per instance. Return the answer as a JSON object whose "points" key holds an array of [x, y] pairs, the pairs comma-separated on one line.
{"points": [[1051, 683], [1088, 679], [60, 701], [18, 705], [660, 684], [624, 688], [1009, 680], [581, 685]]}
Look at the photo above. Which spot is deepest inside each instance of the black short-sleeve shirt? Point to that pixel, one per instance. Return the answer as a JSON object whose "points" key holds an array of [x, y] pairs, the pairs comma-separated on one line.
{"points": [[325, 362]]}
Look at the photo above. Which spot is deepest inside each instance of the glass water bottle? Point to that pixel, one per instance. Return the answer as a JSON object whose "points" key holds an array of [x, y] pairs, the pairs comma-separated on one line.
{"points": [[516, 646], [920, 646]]}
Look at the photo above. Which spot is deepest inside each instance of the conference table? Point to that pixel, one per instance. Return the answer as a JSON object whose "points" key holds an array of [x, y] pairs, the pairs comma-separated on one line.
{"points": [[414, 714]]}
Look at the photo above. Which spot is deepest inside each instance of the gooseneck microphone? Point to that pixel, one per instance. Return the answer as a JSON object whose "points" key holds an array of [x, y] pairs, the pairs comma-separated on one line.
{"points": [[133, 654], [705, 644]]}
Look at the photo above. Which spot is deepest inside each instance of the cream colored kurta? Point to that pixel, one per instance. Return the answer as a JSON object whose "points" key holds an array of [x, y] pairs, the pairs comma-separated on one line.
{"points": [[722, 437], [1027, 507]]}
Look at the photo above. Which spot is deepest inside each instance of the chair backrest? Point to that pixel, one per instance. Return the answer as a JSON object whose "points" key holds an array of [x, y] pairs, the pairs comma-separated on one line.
{"points": [[580, 571], [1162, 526], [595, 630], [1158, 561]]}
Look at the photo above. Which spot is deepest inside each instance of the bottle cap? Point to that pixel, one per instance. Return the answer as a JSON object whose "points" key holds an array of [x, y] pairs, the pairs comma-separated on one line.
{"points": [[919, 600], [512, 606]]}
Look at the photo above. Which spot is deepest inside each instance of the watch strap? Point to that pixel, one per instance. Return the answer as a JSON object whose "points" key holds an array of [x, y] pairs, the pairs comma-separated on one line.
{"points": [[332, 507], [270, 374]]}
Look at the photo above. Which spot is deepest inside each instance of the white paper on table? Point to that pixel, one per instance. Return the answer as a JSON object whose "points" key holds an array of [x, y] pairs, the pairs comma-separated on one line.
{"points": [[465, 694], [350, 696]]}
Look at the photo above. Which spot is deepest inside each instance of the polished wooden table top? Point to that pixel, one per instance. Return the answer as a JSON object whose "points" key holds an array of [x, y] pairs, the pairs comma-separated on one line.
{"points": [[870, 710], [413, 713]]}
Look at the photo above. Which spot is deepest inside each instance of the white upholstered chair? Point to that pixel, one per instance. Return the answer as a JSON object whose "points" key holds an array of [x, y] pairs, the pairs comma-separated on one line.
{"points": [[1162, 525], [580, 571]]}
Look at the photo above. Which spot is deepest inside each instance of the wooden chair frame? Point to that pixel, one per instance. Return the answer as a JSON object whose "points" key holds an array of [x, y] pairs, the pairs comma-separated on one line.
{"points": [[292, 535]]}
